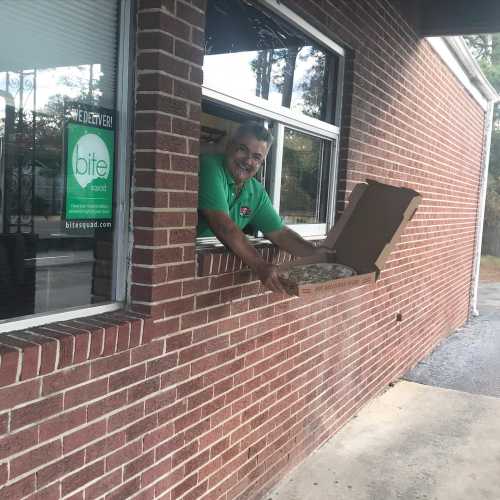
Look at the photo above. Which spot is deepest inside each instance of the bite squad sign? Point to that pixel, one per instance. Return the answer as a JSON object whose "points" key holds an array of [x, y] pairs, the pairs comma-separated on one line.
{"points": [[90, 138]]}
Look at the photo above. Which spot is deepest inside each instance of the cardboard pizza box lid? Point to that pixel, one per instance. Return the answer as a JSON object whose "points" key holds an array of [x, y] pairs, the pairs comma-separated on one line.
{"points": [[368, 229]]}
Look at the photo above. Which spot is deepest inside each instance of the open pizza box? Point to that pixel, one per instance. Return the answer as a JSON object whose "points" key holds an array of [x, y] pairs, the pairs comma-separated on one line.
{"points": [[362, 239]]}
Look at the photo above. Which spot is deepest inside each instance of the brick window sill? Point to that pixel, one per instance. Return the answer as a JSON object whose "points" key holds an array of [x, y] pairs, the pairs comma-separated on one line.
{"points": [[41, 350], [214, 259]]}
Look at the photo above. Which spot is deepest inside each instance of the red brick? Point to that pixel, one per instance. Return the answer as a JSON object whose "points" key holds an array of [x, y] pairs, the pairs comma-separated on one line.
{"points": [[157, 436], [175, 376], [52, 492], [84, 393], [186, 485], [110, 364], [198, 429], [170, 445], [104, 446], [168, 481], [96, 343], [145, 352], [83, 476], [141, 427], [160, 400], [106, 405], [83, 436], [143, 389], [35, 412], [66, 344], [62, 423], [126, 416], [19, 489], [125, 491], [139, 464], [4, 423], [123, 455], [103, 485], [14, 443], [161, 365], [64, 379], [61, 468], [30, 355], [82, 341], [15, 395], [35, 458], [49, 348], [9, 362], [127, 377]]}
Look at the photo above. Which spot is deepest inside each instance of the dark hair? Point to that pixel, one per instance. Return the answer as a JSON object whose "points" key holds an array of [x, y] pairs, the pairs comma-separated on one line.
{"points": [[255, 129]]}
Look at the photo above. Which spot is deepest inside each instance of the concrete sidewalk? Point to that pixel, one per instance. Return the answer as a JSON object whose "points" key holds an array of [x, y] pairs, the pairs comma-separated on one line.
{"points": [[439, 441]]}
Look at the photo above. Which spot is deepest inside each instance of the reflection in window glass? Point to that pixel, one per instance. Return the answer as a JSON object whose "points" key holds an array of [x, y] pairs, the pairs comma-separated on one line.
{"points": [[268, 59], [42, 267], [304, 178]]}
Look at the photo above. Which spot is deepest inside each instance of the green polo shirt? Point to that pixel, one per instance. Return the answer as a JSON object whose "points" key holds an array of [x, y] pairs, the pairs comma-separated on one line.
{"points": [[217, 192]]}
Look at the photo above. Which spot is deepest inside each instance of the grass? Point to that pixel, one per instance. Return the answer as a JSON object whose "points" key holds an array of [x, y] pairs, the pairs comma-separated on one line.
{"points": [[490, 269]]}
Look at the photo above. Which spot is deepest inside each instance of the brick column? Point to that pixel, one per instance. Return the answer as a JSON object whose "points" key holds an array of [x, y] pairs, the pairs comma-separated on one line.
{"points": [[168, 103]]}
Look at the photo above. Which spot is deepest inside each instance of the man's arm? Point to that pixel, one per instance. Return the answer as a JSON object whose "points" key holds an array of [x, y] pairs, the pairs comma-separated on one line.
{"points": [[233, 237], [293, 243]]}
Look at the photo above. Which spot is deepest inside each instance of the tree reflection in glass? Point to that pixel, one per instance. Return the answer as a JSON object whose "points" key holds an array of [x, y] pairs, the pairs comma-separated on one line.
{"points": [[304, 178], [260, 55]]}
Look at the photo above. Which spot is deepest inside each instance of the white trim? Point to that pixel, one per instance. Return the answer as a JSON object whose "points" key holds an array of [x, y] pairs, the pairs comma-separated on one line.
{"points": [[265, 109], [64, 315], [455, 64], [308, 29], [476, 75], [488, 128], [121, 248], [340, 91], [309, 230], [332, 187], [277, 166]]}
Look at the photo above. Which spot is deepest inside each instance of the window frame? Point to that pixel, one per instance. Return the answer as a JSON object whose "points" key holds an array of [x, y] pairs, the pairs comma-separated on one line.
{"points": [[285, 117], [121, 240]]}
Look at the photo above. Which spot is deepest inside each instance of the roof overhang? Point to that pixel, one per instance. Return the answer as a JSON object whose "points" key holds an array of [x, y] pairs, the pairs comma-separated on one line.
{"points": [[452, 17]]}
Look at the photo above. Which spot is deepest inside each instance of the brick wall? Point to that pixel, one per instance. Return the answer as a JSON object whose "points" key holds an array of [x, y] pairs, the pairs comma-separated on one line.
{"points": [[212, 389]]}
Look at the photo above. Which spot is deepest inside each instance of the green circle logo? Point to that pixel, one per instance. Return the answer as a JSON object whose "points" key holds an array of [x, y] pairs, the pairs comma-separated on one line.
{"points": [[90, 159]]}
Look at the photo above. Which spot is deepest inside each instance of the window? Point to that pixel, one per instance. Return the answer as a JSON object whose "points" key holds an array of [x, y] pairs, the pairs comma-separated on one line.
{"points": [[269, 64], [62, 118]]}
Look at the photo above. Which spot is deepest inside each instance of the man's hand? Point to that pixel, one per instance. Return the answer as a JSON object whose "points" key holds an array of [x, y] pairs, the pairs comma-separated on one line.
{"points": [[232, 236], [324, 253], [268, 275]]}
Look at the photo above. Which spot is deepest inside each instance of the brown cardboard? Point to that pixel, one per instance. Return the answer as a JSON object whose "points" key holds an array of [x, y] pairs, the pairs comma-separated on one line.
{"points": [[364, 235]]}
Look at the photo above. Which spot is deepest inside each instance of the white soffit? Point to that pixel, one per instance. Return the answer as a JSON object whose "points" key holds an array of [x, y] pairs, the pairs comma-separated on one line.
{"points": [[456, 55]]}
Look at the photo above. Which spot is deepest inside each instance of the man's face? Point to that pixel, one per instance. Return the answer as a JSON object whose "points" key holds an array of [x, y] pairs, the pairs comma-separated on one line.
{"points": [[244, 156]]}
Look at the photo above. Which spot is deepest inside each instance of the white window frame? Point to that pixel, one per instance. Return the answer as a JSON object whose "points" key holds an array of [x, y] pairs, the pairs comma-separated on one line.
{"points": [[285, 117], [122, 190]]}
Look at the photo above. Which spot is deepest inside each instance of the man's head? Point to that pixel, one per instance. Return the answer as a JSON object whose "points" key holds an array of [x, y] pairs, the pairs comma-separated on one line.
{"points": [[247, 151]]}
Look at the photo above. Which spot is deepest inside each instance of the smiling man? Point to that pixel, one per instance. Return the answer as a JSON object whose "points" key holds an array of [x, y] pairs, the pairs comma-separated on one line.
{"points": [[230, 198]]}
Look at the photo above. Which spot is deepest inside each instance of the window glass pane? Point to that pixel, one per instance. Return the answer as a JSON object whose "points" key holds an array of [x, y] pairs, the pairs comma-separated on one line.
{"points": [[64, 55], [304, 178], [268, 58]]}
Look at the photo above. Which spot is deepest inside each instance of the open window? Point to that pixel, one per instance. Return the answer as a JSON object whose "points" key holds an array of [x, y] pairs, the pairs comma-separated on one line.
{"points": [[269, 64]]}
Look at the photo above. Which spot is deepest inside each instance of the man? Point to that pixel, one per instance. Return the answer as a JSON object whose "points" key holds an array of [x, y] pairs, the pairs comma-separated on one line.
{"points": [[230, 198]]}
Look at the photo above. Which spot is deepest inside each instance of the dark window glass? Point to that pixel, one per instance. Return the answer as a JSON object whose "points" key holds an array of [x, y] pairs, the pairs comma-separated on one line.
{"points": [[304, 178], [258, 54], [52, 53]]}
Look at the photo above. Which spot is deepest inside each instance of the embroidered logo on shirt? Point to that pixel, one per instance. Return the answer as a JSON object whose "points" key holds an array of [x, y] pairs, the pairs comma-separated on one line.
{"points": [[245, 211]]}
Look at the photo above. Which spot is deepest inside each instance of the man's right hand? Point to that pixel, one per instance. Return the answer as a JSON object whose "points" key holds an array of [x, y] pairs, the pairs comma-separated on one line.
{"points": [[269, 276], [232, 236]]}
